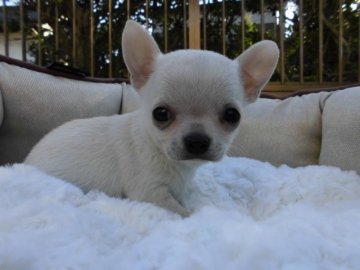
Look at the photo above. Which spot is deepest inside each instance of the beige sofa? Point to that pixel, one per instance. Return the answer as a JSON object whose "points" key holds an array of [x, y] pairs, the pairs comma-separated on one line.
{"points": [[312, 128]]}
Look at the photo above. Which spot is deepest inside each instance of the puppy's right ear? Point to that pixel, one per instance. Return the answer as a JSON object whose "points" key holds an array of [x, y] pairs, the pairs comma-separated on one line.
{"points": [[139, 51], [257, 64]]}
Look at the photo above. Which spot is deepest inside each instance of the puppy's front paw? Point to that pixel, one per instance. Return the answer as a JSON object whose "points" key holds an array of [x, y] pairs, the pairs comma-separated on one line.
{"points": [[163, 198], [173, 205], [183, 212]]}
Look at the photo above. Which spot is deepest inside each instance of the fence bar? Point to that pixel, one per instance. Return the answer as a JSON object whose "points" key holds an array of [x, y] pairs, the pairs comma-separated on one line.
{"points": [[92, 56], [5, 27], [262, 20], [301, 36], [57, 30], [39, 31], [110, 38], [223, 28], [204, 25], [74, 32], [242, 25], [359, 51], [22, 30], [282, 50], [128, 9], [166, 25], [185, 25], [321, 41], [147, 13], [194, 24], [341, 33]]}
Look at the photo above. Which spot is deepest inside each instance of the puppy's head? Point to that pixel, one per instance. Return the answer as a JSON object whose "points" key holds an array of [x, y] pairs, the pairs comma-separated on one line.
{"points": [[192, 100]]}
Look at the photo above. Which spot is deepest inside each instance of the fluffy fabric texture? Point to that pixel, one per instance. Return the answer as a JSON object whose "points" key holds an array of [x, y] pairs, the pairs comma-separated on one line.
{"points": [[247, 215]]}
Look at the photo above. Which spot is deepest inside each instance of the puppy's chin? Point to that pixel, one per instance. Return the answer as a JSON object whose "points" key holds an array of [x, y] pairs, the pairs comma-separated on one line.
{"points": [[201, 158]]}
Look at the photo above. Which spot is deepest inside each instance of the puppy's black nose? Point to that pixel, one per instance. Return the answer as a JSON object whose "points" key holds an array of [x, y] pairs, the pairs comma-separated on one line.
{"points": [[197, 143]]}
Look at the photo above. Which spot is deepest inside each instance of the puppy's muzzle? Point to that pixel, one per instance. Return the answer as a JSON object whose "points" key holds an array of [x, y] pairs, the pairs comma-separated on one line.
{"points": [[197, 144]]}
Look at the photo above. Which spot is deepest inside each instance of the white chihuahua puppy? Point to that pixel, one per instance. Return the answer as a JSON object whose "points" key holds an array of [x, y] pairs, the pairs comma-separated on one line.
{"points": [[191, 104]]}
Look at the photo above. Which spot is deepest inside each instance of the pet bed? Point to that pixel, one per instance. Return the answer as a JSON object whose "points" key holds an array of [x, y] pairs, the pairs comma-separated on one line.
{"points": [[248, 214], [307, 128]]}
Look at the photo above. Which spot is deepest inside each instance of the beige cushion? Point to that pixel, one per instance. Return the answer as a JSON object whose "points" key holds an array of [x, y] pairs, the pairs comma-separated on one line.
{"points": [[341, 130], [282, 131], [130, 99], [35, 103]]}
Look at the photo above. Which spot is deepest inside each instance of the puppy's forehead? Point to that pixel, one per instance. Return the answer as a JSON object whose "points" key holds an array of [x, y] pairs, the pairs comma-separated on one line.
{"points": [[197, 76], [195, 64]]}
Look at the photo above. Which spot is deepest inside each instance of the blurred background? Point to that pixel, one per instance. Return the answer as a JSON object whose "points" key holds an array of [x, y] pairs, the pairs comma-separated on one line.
{"points": [[318, 40]]}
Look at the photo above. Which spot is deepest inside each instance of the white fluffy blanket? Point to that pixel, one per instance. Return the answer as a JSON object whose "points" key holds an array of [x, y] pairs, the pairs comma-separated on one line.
{"points": [[247, 215]]}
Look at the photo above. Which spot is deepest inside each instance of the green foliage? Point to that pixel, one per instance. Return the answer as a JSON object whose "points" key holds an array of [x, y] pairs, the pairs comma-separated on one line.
{"points": [[214, 33]]}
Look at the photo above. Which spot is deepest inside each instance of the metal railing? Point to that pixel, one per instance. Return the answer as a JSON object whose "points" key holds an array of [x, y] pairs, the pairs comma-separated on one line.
{"points": [[228, 27]]}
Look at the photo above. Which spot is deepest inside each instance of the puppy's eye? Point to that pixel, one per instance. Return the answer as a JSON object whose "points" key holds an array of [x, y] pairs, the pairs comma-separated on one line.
{"points": [[161, 114], [231, 116]]}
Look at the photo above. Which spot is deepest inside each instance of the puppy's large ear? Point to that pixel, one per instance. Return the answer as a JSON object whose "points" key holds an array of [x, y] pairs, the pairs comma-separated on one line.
{"points": [[256, 65], [139, 51]]}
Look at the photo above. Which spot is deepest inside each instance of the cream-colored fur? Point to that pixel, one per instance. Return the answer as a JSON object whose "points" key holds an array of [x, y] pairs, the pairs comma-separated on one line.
{"points": [[189, 113]]}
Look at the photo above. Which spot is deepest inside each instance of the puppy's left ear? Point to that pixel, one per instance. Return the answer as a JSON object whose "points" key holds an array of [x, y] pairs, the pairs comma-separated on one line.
{"points": [[256, 65]]}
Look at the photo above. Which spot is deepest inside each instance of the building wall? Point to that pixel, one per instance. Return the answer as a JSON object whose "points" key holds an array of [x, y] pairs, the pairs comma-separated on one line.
{"points": [[15, 50]]}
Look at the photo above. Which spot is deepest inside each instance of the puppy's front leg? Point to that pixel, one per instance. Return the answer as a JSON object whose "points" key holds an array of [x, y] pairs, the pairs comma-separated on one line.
{"points": [[162, 197]]}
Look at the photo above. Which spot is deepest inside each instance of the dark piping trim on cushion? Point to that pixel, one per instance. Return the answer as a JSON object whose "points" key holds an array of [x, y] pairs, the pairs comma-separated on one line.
{"points": [[58, 73]]}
